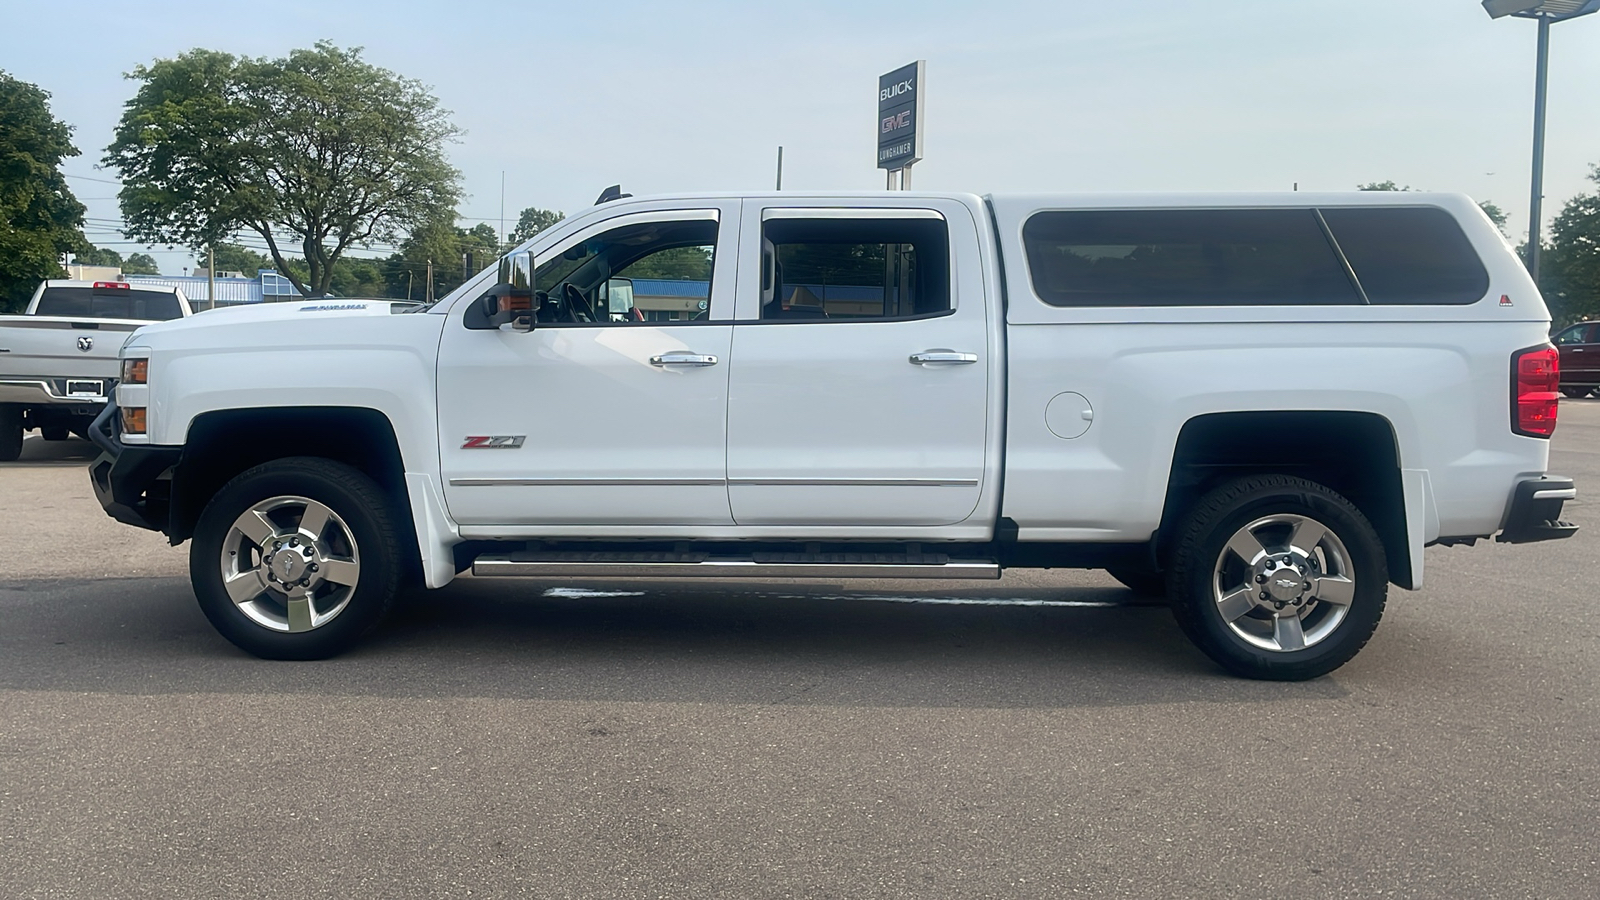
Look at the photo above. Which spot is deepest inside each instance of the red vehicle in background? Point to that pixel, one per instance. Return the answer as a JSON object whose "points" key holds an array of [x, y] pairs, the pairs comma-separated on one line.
{"points": [[1580, 358]]}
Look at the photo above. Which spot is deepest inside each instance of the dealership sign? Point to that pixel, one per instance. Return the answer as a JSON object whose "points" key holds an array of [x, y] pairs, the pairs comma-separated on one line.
{"points": [[900, 116]]}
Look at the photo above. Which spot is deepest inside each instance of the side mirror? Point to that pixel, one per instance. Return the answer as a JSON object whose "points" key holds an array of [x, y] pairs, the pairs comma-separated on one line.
{"points": [[508, 303], [617, 293]]}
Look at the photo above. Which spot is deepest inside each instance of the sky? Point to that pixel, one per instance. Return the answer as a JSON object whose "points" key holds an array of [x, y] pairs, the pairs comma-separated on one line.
{"points": [[562, 99]]}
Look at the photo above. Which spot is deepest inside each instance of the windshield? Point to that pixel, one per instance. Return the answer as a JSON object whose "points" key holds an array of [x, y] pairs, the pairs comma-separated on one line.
{"points": [[149, 306]]}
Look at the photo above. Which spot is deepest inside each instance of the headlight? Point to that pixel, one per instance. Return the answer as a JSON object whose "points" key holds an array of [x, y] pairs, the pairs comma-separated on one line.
{"points": [[135, 371]]}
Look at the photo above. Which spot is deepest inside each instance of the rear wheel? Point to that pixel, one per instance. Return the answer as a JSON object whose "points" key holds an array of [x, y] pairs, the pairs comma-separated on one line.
{"points": [[1278, 577], [10, 432], [296, 558]]}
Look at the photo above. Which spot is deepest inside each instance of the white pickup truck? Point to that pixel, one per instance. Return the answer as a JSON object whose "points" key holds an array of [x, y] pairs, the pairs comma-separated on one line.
{"points": [[58, 361], [1262, 406]]}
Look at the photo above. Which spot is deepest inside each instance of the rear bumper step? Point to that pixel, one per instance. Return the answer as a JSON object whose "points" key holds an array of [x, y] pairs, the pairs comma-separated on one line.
{"points": [[1535, 513], [757, 565]]}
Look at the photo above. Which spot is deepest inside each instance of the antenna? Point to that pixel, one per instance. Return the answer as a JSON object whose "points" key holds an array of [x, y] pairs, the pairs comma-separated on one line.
{"points": [[611, 193]]}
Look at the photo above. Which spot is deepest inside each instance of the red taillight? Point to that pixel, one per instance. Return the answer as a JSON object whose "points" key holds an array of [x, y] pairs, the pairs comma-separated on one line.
{"points": [[1535, 376], [114, 285]]}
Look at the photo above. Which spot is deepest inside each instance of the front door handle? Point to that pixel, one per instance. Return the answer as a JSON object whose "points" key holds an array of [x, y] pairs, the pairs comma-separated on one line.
{"points": [[683, 358], [942, 357]]}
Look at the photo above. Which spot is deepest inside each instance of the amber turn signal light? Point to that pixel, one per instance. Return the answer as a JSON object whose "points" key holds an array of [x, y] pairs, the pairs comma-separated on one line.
{"points": [[135, 371], [133, 420]]}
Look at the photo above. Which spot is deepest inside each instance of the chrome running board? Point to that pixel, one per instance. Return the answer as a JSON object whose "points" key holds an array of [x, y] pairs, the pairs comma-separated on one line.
{"points": [[756, 565]]}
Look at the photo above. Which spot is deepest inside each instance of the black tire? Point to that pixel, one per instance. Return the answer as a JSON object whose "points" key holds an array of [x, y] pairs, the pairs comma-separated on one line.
{"points": [[1203, 561], [1145, 583], [366, 524], [53, 432], [1577, 392], [10, 432]]}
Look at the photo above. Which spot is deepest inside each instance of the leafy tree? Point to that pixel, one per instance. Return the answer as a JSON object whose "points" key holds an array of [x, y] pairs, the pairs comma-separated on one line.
{"points": [[234, 258], [39, 218], [140, 264], [97, 256], [1495, 214], [1569, 272], [532, 221], [678, 264], [320, 146], [1382, 186], [453, 251]]}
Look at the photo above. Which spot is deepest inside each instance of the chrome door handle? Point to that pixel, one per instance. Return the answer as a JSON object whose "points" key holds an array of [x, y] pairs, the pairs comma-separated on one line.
{"points": [[681, 358], [943, 358]]}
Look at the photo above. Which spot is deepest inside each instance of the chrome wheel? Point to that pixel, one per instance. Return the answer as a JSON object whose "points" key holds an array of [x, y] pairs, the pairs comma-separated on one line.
{"points": [[290, 564], [1283, 582]]}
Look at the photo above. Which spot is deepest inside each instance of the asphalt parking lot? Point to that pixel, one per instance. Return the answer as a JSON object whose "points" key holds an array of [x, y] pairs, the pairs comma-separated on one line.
{"points": [[590, 740]]}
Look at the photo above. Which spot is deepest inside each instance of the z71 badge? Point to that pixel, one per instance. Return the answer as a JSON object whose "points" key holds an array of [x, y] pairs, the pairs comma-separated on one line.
{"points": [[494, 442]]}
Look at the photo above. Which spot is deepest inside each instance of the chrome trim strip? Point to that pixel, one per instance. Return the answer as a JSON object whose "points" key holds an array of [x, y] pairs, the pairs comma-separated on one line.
{"points": [[712, 568], [849, 212], [587, 482], [853, 482], [710, 482], [87, 323], [1570, 493]]}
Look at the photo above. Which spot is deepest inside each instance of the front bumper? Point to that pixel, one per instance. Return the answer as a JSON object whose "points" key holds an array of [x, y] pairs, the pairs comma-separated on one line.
{"points": [[133, 484], [1535, 513]]}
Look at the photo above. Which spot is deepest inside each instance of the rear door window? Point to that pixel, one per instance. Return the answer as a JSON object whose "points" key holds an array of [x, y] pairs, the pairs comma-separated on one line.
{"points": [[1409, 255], [860, 269], [1185, 257]]}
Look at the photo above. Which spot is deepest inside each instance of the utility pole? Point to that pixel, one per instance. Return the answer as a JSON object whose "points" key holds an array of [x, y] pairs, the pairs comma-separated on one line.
{"points": [[780, 167], [430, 281], [211, 275], [410, 276], [1535, 205]]}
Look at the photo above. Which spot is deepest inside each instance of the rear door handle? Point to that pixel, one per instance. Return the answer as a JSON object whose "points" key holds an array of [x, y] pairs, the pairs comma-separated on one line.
{"points": [[683, 358], [942, 357]]}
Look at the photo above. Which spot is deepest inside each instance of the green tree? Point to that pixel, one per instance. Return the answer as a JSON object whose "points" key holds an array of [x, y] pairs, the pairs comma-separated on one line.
{"points": [[39, 218], [140, 264], [97, 256], [456, 253], [1569, 271], [532, 221], [1495, 214], [320, 148], [1382, 186], [234, 258], [679, 264]]}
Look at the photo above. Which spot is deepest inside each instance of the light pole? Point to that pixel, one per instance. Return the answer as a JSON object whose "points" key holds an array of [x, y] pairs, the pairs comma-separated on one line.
{"points": [[1546, 13]]}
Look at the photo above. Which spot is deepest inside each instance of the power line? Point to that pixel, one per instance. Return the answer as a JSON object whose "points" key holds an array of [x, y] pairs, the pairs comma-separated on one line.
{"points": [[87, 178]]}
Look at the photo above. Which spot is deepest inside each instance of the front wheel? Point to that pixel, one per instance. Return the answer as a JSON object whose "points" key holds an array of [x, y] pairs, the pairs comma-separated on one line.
{"points": [[296, 558], [1279, 578]]}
